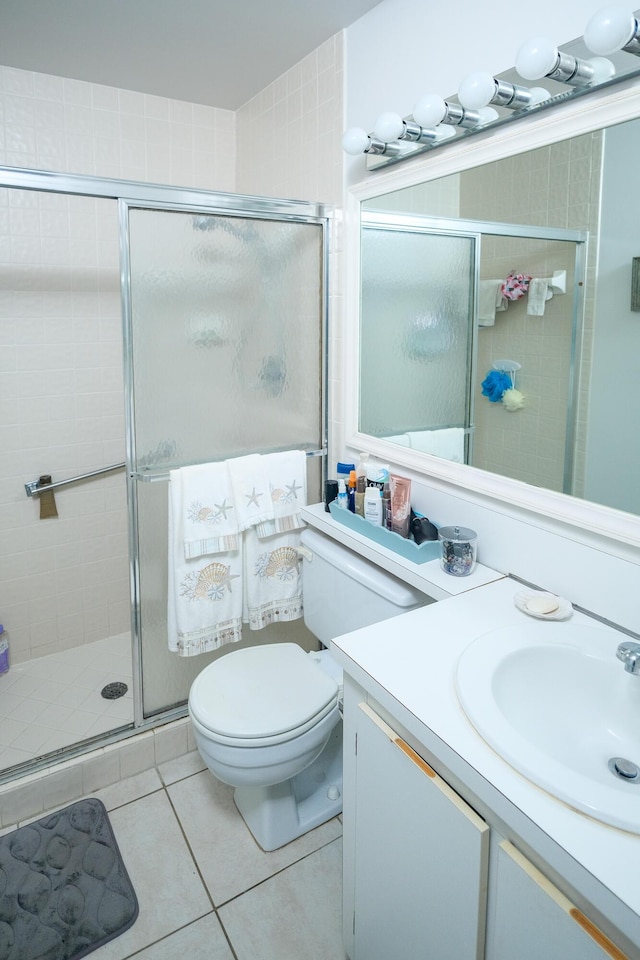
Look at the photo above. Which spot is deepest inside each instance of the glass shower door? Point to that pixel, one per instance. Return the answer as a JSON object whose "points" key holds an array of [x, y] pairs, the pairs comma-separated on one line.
{"points": [[226, 345], [417, 336]]}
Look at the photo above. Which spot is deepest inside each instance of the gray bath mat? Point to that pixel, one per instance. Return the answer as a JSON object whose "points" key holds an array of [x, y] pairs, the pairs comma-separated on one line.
{"points": [[64, 889]]}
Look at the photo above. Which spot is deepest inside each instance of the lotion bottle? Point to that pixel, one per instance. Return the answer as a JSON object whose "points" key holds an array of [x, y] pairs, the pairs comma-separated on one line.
{"points": [[373, 505], [343, 499]]}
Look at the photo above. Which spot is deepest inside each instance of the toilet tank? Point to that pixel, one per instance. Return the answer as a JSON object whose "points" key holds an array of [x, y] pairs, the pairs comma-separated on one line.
{"points": [[342, 591]]}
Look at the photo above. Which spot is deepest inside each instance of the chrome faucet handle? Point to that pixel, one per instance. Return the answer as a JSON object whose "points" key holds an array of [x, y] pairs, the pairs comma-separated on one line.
{"points": [[629, 653]]}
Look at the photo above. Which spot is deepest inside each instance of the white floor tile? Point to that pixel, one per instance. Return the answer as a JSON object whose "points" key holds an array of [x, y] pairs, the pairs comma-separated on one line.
{"points": [[229, 858], [202, 940], [296, 915], [169, 890]]}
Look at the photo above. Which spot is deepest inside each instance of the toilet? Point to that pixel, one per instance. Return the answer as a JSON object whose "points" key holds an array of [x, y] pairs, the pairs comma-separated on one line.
{"points": [[267, 719]]}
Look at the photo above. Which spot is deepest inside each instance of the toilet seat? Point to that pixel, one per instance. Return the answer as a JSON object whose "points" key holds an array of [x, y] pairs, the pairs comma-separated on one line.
{"points": [[261, 695]]}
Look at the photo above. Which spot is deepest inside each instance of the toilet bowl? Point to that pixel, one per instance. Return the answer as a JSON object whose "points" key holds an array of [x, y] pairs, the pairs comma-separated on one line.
{"points": [[267, 718]]}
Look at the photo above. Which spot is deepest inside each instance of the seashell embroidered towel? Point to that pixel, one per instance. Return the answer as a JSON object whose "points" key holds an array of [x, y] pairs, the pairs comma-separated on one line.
{"points": [[272, 578], [203, 504], [204, 594], [287, 478]]}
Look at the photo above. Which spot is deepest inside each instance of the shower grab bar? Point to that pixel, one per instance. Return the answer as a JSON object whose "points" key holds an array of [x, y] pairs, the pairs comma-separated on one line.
{"points": [[34, 489], [152, 477]]}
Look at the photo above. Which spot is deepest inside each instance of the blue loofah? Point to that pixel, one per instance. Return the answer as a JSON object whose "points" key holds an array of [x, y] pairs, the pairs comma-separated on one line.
{"points": [[494, 385]]}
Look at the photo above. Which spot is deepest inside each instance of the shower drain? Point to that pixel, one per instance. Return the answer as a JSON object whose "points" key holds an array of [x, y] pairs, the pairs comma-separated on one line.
{"points": [[624, 769], [114, 690]]}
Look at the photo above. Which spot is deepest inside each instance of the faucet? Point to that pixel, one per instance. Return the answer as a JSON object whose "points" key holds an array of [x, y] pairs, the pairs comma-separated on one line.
{"points": [[629, 653]]}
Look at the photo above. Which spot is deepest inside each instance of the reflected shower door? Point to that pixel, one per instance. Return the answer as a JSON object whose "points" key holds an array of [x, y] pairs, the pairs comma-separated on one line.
{"points": [[226, 335], [416, 329]]}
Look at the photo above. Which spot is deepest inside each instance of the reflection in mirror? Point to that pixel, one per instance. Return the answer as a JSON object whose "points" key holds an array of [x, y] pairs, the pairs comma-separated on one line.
{"points": [[563, 215]]}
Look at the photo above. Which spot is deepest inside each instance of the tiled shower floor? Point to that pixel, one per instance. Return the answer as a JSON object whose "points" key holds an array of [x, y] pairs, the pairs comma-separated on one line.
{"points": [[54, 701]]}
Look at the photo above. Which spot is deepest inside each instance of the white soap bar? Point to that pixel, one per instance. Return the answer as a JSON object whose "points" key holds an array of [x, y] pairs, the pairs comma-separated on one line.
{"points": [[542, 604]]}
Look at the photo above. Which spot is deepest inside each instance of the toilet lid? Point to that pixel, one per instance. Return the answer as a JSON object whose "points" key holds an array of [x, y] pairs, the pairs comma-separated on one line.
{"points": [[261, 692]]}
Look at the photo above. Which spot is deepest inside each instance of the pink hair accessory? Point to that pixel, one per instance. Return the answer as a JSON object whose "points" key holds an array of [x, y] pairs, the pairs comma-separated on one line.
{"points": [[515, 286]]}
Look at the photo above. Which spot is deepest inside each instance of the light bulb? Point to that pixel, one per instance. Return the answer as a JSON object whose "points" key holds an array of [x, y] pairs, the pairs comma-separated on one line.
{"points": [[476, 90], [609, 30], [388, 127], [429, 110], [487, 115], [539, 95], [444, 132], [355, 141], [603, 69], [536, 58]]}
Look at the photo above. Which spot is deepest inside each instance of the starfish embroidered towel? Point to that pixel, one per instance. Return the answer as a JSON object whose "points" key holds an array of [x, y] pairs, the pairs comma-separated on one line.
{"points": [[251, 493], [202, 501], [287, 477]]}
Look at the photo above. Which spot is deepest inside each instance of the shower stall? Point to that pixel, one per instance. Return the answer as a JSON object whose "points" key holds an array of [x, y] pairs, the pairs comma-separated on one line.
{"points": [[144, 328]]}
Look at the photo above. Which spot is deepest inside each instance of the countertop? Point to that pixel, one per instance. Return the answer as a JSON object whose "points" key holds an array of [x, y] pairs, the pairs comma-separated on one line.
{"points": [[408, 664]]}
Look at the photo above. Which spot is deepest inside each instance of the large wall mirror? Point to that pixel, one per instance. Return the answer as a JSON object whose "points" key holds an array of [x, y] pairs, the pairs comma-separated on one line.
{"points": [[436, 332]]}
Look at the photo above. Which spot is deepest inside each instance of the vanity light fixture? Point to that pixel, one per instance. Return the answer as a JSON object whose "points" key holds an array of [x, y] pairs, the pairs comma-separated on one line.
{"points": [[430, 110], [479, 89], [390, 126], [611, 29], [540, 57]]}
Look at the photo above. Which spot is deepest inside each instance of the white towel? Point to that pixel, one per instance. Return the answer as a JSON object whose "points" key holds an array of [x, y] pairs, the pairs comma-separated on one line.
{"points": [[402, 439], [202, 501], [204, 596], [287, 478], [447, 443], [251, 493], [490, 301], [539, 292], [272, 579]]}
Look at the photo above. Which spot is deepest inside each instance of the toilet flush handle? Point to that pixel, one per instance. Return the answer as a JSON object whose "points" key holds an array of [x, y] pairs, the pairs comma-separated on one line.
{"points": [[305, 553]]}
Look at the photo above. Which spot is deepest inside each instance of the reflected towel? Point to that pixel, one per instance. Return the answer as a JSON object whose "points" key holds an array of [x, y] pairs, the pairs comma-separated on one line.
{"points": [[402, 439], [539, 292], [202, 502], [286, 475], [204, 597], [272, 579], [490, 301], [251, 493], [447, 443]]}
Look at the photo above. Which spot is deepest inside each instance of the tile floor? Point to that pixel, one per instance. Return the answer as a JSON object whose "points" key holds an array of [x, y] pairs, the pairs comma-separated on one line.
{"points": [[206, 890], [51, 702]]}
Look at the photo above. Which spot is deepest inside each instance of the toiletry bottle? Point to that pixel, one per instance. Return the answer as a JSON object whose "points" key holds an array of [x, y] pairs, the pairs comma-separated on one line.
{"points": [[386, 507], [4, 651], [343, 470], [343, 500], [361, 483], [351, 491], [373, 505]]}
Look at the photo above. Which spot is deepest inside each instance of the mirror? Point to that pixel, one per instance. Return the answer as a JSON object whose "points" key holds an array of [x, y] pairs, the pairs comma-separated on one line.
{"points": [[565, 211]]}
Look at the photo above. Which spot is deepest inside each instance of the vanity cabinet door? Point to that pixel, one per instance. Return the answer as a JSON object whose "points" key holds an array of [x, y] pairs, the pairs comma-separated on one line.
{"points": [[530, 918], [421, 856]]}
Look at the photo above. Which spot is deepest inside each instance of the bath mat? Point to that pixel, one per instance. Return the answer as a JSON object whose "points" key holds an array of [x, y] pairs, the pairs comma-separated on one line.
{"points": [[64, 890]]}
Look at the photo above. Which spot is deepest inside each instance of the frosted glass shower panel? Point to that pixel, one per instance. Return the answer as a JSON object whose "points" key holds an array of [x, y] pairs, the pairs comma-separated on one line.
{"points": [[416, 330], [226, 320]]}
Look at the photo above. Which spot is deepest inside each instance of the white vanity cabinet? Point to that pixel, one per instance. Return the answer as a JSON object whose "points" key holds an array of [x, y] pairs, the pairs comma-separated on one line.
{"points": [[530, 918], [420, 853], [426, 877]]}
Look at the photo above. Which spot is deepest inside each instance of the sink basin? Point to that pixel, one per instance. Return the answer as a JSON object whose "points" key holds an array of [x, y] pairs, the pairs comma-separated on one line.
{"points": [[553, 701]]}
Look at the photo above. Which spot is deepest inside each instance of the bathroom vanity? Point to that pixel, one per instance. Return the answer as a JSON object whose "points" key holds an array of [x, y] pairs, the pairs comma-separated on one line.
{"points": [[449, 852]]}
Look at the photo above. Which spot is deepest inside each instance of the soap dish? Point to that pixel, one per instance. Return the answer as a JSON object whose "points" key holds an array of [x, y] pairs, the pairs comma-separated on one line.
{"points": [[536, 603]]}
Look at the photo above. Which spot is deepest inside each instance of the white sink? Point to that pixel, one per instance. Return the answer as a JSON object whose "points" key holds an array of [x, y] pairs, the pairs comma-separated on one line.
{"points": [[553, 700]]}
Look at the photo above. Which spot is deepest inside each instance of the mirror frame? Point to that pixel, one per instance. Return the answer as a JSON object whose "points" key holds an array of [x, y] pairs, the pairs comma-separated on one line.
{"points": [[603, 108]]}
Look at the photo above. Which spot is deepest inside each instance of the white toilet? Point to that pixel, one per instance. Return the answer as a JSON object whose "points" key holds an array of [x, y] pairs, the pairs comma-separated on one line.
{"points": [[267, 718]]}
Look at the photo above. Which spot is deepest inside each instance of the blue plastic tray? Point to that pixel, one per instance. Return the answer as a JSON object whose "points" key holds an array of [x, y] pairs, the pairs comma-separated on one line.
{"points": [[409, 549]]}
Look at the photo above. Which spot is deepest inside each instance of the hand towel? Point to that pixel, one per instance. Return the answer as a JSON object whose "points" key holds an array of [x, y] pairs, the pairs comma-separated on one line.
{"points": [[272, 579], [490, 300], [447, 443], [287, 478], [539, 292], [402, 439], [202, 501], [251, 493], [204, 596]]}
